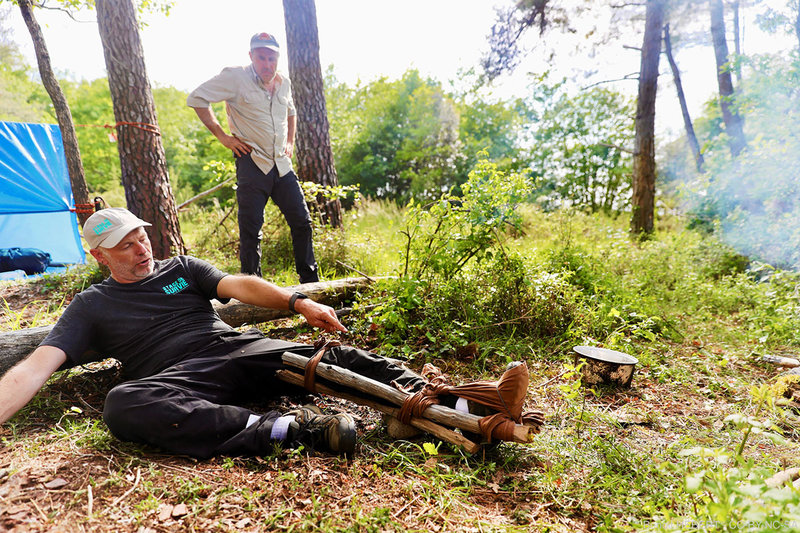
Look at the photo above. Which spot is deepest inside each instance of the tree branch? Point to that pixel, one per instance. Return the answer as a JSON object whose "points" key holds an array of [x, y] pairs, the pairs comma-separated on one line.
{"points": [[620, 148], [69, 13], [629, 77]]}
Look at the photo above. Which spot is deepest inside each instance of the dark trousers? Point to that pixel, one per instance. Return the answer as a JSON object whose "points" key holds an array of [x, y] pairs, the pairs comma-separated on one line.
{"points": [[194, 407], [253, 190]]}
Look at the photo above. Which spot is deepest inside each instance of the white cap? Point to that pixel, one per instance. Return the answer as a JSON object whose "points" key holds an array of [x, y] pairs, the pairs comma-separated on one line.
{"points": [[109, 226]]}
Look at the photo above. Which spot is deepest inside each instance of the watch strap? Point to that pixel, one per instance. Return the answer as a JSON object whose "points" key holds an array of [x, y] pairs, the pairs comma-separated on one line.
{"points": [[296, 296]]}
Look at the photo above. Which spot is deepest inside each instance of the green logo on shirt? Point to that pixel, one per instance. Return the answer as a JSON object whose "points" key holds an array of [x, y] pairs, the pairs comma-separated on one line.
{"points": [[176, 286]]}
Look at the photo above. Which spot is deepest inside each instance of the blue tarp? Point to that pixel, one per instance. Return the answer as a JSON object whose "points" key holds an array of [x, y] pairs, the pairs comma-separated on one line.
{"points": [[36, 204]]}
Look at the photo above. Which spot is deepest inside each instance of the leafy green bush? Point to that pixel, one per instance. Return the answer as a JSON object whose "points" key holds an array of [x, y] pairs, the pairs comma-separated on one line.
{"points": [[445, 235], [532, 301]]}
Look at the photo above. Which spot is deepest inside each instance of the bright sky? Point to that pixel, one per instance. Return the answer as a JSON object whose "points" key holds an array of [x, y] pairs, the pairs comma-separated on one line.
{"points": [[362, 39]]}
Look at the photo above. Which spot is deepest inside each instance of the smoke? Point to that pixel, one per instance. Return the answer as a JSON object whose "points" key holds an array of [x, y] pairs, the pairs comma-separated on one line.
{"points": [[762, 203], [753, 201]]}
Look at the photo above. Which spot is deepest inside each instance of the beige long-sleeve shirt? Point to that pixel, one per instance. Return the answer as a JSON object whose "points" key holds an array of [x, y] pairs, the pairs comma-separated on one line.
{"points": [[255, 116]]}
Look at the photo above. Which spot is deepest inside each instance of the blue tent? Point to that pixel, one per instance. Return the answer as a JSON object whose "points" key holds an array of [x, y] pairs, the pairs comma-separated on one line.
{"points": [[36, 204]]}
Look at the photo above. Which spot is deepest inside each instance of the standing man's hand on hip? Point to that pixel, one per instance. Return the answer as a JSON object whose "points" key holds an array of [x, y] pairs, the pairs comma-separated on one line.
{"points": [[233, 143]]}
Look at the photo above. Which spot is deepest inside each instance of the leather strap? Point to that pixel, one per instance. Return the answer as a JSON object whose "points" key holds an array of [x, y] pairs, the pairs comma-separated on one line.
{"points": [[310, 371]]}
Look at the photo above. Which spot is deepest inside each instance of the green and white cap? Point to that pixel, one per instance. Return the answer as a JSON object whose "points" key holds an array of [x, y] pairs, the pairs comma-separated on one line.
{"points": [[109, 226]]}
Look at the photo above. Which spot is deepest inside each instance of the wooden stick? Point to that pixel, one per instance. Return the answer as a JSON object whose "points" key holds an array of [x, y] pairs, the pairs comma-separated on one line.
{"points": [[419, 423], [130, 490], [354, 270], [204, 193], [90, 502], [438, 413], [790, 362]]}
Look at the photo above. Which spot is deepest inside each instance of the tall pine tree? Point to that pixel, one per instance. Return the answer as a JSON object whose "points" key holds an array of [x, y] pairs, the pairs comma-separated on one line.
{"points": [[142, 160], [314, 155]]}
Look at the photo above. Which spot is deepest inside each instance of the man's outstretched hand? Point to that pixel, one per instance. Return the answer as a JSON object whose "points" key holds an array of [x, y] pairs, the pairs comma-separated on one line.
{"points": [[319, 315]]}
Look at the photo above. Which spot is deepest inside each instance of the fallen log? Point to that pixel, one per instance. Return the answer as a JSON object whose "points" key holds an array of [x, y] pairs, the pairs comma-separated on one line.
{"points": [[332, 293], [778, 360], [16, 345], [437, 413], [782, 478]]}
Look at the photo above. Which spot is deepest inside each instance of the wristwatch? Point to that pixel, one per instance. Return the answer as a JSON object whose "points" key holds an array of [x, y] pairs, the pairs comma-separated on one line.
{"points": [[296, 296]]}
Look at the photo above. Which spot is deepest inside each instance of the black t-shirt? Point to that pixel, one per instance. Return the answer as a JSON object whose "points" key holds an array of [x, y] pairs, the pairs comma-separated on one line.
{"points": [[148, 325]]}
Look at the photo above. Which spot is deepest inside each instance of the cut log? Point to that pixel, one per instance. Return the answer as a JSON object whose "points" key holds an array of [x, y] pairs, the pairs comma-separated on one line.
{"points": [[437, 413], [782, 478], [777, 360], [16, 345], [420, 423]]}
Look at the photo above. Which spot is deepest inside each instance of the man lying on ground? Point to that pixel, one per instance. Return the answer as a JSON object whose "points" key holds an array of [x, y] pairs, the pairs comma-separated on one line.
{"points": [[187, 373]]}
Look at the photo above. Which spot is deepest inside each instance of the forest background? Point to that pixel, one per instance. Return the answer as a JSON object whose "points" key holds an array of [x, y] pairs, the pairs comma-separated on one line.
{"points": [[699, 303]]}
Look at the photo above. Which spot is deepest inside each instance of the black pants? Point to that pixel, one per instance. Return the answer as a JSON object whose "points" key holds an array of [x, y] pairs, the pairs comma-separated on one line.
{"points": [[253, 190], [193, 408]]}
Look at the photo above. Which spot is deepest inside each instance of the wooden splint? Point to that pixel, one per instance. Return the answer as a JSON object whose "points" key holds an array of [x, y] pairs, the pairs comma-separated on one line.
{"points": [[421, 409]]}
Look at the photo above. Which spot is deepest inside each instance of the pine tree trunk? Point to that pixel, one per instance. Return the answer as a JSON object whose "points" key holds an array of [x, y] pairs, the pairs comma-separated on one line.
{"points": [[687, 121], [77, 178], [142, 160], [733, 121], [737, 39], [797, 27], [314, 154], [644, 161]]}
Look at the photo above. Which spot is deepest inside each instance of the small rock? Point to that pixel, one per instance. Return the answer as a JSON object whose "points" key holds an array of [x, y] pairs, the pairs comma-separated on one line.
{"points": [[56, 483], [164, 512], [19, 509], [179, 510]]}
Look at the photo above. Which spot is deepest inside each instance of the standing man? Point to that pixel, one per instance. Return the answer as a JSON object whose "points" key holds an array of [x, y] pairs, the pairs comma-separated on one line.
{"points": [[262, 119]]}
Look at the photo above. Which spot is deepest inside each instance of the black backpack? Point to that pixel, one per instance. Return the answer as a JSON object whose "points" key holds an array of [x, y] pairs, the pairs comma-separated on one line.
{"points": [[31, 260]]}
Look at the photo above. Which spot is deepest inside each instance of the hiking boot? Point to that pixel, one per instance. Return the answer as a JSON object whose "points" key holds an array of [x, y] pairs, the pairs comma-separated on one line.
{"points": [[333, 433]]}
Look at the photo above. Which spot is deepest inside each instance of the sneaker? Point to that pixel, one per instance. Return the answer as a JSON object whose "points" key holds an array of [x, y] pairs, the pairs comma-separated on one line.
{"points": [[333, 433]]}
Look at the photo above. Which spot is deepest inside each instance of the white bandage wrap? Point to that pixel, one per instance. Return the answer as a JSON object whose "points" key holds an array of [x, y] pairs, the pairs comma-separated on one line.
{"points": [[462, 406], [280, 428]]}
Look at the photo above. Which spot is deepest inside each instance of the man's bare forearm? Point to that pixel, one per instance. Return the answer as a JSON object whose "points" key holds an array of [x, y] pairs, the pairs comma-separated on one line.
{"points": [[25, 379], [209, 121], [256, 291]]}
